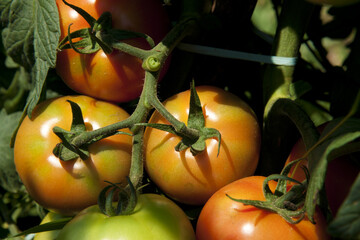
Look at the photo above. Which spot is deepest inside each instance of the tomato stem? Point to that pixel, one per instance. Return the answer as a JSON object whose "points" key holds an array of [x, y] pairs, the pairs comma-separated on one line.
{"points": [[289, 112], [294, 18], [148, 98], [134, 51], [277, 83]]}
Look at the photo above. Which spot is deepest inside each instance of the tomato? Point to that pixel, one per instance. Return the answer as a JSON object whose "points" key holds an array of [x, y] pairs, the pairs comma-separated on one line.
{"points": [[68, 187], [49, 235], [340, 175], [334, 2], [193, 179], [115, 77], [155, 217], [224, 218]]}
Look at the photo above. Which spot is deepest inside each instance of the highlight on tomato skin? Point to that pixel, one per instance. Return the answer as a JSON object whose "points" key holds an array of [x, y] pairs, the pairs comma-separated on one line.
{"points": [[193, 179], [115, 77], [222, 218], [66, 187]]}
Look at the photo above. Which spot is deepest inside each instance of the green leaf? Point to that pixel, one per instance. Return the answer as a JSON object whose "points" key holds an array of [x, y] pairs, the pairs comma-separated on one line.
{"points": [[4, 10], [346, 225], [9, 179], [50, 226], [30, 39], [325, 152], [284, 120]]}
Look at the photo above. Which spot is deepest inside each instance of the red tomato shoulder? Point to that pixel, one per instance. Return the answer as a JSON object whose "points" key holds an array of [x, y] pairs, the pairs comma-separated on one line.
{"points": [[115, 77], [223, 218]]}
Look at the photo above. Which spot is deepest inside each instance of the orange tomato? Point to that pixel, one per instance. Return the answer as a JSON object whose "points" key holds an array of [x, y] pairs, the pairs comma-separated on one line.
{"points": [[193, 179], [67, 187]]}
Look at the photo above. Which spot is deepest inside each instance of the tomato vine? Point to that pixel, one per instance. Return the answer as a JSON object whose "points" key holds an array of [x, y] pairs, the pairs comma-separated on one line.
{"points": [[291, 95]]}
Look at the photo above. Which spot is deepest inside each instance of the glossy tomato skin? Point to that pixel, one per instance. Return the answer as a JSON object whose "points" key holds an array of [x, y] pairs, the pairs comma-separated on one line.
{"points": [[222, 218], [68, 187], [341, 174], [337, 3], [155, 217], [192, 180], [115, 77]]}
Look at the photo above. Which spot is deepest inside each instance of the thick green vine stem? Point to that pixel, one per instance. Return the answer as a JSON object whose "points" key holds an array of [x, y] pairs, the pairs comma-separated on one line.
{"points": [[278, 84], [285, 117], [152, 64], [101, 36], [294, 18]]}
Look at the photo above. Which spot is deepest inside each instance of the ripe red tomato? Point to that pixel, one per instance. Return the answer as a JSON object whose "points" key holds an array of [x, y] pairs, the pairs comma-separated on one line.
{"points": [[223, 218], [340, 175], [115, 77], [193, 179], [337, 3], [68, 187], [155, 217]]}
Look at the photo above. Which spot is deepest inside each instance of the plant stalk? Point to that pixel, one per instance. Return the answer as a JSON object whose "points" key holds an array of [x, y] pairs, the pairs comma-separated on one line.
{"points": [[293, 21]]}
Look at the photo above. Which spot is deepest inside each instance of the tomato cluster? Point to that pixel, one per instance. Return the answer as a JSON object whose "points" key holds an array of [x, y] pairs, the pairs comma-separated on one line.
{"points": [[189, 168]]}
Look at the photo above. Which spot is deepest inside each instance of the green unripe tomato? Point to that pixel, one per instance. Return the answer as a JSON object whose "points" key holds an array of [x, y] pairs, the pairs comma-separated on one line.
{"points": [[154, 217]]}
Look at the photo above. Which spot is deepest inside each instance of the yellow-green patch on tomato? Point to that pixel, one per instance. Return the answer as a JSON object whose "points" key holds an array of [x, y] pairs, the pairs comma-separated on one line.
{"points": [[155, 217]]}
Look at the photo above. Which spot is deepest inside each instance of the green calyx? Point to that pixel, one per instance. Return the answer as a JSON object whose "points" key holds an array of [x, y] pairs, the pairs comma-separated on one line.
{"points": [[289, 204], [74, 143], [114, 200], [194, 134], [66, 150], [99, 36]]}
